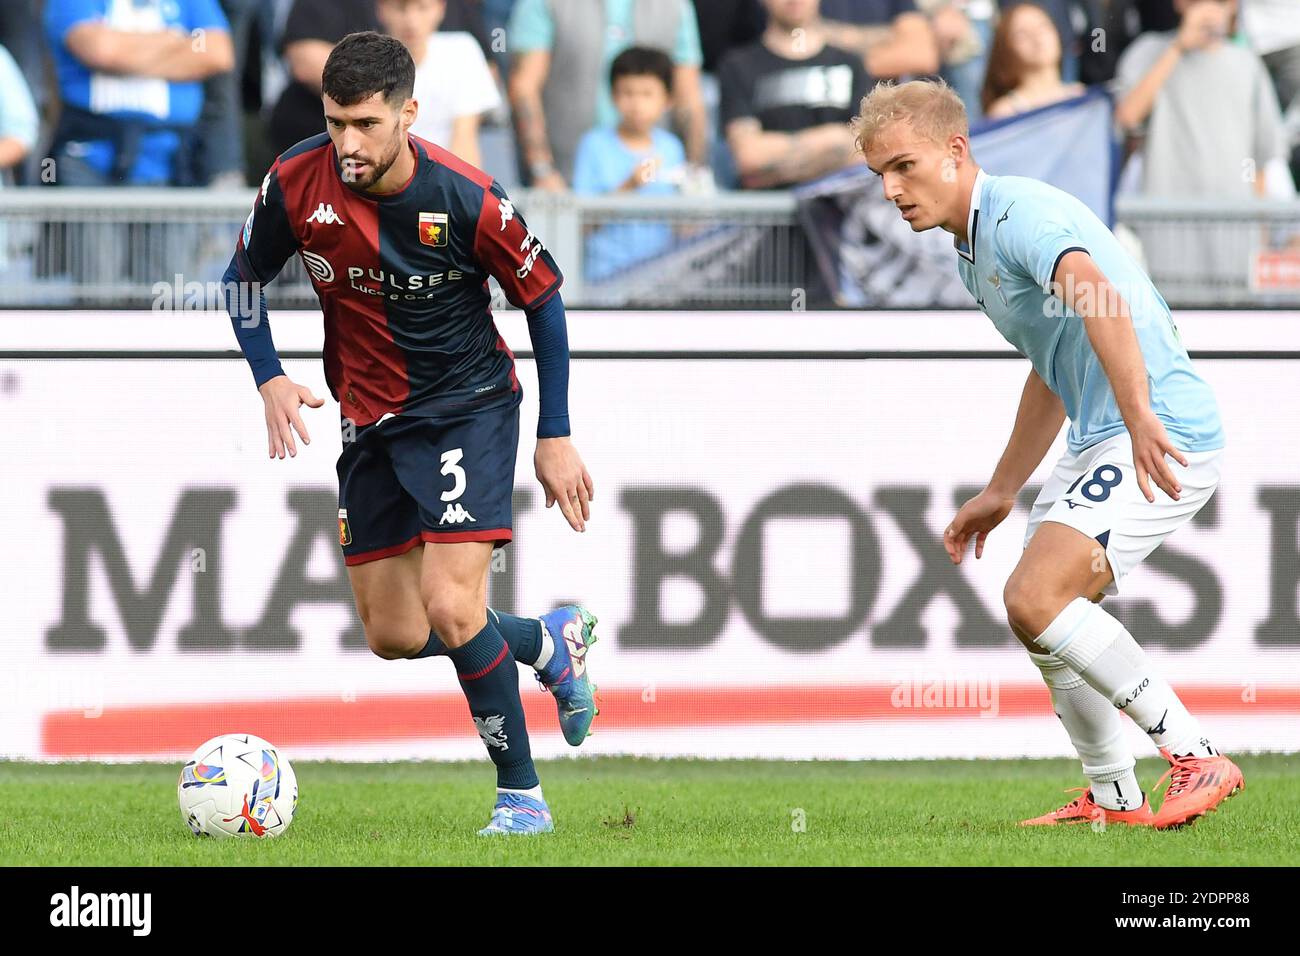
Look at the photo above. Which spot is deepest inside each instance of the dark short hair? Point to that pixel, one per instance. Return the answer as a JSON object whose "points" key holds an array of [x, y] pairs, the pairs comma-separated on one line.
{"points": [[642, 61], [363, 64]]}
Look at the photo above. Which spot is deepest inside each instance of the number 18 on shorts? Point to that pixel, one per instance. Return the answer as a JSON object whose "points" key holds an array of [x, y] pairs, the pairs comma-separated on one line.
{"points": [[1096, 492]]}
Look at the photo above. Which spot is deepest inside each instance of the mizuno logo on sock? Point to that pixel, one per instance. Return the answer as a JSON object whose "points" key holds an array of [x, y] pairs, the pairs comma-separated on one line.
{"points": [[1160, 727]]}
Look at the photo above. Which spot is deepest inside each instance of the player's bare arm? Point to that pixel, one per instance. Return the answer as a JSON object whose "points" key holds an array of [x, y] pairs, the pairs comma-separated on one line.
{"points": [[1110, 330], [1038, 422], [281, 398]]}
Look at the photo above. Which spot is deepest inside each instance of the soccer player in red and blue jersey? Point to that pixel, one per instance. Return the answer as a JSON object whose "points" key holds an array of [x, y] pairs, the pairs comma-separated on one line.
{"points": [[399, 237]]}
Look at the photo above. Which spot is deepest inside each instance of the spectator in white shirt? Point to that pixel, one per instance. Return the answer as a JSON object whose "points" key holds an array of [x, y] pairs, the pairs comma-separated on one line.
{"points": [[453, 85]]}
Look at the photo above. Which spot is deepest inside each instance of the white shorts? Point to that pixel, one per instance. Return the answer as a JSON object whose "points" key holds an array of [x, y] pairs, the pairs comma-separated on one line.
{"points": [[1096, 492]]}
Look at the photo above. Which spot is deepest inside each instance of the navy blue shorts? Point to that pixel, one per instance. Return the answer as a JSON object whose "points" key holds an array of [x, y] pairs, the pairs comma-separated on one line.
{"points": [[407, 480]]}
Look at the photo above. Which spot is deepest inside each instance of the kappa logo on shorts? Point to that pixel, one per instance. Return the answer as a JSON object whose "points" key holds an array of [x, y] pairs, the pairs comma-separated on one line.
{"points": [[455, 514], [345, 530]]}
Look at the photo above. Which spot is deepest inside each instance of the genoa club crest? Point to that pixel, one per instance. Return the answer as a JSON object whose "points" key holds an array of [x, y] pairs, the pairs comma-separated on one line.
{"points": [[433, 228], [345, 531]]}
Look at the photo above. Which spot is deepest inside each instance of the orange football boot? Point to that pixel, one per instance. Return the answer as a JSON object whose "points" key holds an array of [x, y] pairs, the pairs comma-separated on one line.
{"points": [[1086, 810], [1196, 786]]}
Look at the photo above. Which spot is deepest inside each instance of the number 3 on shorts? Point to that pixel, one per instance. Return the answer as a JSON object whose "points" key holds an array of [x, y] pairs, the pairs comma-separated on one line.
{"points": [[451, 466], [1104, 477]]}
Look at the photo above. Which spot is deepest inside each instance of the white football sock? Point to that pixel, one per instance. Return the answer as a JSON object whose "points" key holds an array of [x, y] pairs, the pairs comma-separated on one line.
{"points": [[548, 647], [1097, 732], [534, 792], [1103, 653]]}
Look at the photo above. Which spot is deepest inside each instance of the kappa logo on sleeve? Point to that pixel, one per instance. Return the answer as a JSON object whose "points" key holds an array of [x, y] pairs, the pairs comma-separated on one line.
{"points": [[507, 210]]}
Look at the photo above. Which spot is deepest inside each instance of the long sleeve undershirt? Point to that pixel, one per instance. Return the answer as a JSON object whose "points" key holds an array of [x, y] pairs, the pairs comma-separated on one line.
{"points": [[547, 329], [252, 326], [550, 337]]}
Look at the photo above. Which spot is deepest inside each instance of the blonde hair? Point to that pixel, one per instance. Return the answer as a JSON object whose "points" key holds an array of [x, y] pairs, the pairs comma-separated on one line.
{"points": [[933, 109]]}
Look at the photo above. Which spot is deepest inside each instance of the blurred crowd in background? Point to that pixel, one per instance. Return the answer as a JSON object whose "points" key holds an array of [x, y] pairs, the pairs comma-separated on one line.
{"points": [[648, 96]]}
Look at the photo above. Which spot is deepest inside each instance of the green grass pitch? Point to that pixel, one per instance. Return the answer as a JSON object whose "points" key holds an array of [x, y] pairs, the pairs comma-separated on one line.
{"points": [[622, 811]]}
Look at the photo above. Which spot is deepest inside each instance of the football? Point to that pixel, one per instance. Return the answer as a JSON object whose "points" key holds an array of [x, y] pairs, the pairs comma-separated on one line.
{"points": [[237, 785]]}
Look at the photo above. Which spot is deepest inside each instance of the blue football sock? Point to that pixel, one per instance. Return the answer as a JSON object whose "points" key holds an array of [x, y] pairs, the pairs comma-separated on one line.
{"points": [[490, 681], [523, 635], [434, 648]]}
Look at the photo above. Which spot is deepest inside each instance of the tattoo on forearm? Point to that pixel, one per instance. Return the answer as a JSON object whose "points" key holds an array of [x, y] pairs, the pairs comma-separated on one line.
{"points": [[692, 126], [798, 162], [530, 122]]}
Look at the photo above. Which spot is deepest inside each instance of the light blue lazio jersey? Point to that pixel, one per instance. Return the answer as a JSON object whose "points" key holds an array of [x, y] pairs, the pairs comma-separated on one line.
{"points": [[1019, 229]]}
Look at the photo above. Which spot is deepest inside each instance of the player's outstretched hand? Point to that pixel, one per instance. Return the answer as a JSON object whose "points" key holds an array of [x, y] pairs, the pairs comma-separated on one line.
{"points": [[1150, 445], [282, 398], [565, 479], [976, 519]]}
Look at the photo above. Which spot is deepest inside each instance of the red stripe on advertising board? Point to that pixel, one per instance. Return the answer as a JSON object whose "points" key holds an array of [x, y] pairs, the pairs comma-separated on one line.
{"points": [[379, 718]]}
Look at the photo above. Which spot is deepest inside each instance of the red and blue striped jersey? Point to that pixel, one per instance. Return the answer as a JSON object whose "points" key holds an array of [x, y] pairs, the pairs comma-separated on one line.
{"points": [[402, 277]]}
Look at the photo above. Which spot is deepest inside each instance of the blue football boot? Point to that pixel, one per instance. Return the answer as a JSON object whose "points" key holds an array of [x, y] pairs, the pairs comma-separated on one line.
{"points": [[572, 631], [517, 814]]}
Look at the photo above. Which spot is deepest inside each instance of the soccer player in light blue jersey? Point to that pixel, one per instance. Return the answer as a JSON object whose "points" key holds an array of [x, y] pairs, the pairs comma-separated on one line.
{"points": [[1104, 353]]}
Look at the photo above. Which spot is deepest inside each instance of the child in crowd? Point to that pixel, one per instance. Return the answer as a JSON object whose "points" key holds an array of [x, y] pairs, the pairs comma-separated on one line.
{"points": [[638, 156]]}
